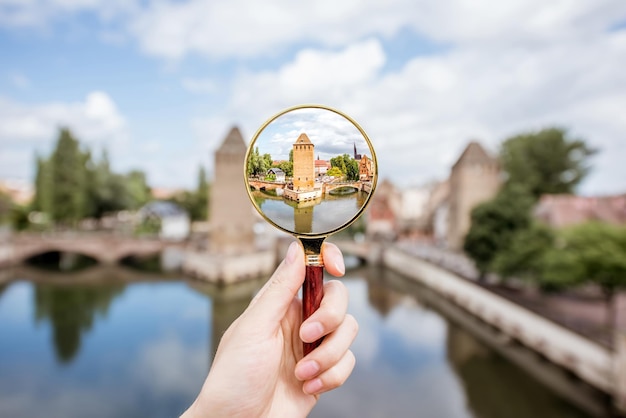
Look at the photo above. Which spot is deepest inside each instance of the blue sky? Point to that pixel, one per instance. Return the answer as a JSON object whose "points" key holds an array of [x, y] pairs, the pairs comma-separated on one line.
{"points": [[160, 83]]}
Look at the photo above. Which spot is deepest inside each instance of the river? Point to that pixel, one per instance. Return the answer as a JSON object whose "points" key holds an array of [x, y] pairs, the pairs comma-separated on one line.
{"points": [[325, 214], [116, 343]]}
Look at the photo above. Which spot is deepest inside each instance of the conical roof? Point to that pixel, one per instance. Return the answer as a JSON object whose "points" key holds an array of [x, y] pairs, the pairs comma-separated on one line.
{"points": [[233, 143], [474, 154], [303, 139]]}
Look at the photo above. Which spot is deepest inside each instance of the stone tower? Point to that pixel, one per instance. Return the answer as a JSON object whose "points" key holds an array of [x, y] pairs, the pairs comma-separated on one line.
{"points": [[303, 164], [475, 178], [232, 219]]}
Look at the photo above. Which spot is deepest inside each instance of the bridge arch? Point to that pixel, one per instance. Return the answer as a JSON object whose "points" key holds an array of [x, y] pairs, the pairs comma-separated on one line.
{"points": [[329, 187]]}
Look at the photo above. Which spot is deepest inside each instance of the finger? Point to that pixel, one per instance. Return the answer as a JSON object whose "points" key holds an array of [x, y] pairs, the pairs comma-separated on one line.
{"points": [[333, 259], [330, 352], [272, 301], [330, 314], [331, 378]]}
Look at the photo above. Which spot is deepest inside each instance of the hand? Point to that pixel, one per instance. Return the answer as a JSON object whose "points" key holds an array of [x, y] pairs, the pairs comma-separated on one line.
{"points": [[258, 370]]}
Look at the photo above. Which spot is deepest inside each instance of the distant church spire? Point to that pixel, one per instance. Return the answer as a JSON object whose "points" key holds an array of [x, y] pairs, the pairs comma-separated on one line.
{"points": [[355, 151]]}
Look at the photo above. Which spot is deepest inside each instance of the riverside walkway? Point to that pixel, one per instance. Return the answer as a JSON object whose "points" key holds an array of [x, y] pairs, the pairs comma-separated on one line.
{"points": [[528, 318]]}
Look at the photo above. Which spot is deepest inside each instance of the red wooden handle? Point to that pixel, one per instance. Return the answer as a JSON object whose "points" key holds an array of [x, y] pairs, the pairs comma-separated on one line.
{"points": [[312, 293]]}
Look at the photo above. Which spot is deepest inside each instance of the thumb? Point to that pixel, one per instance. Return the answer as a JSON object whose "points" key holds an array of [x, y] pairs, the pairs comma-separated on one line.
{"points": [[270, 305]]}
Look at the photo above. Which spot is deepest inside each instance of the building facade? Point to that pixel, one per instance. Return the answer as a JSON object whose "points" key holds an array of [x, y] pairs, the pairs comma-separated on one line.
{"points": [[231, 215], [303, 164], [366, 169], [475, 178]]}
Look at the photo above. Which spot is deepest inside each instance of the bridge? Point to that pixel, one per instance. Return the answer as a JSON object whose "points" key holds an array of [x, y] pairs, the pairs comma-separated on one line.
{"points": [[326, 187], [106, 249], [266, 185]]}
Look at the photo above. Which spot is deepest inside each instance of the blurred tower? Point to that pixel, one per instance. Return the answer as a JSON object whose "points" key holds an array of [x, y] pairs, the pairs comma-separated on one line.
{"points": [[232, 219], [303, 164], [475, 178]]}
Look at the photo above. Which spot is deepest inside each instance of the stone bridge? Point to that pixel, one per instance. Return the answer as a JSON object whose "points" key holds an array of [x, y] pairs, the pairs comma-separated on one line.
{"points": [[327, 187], [266, 185], [107, 249]]}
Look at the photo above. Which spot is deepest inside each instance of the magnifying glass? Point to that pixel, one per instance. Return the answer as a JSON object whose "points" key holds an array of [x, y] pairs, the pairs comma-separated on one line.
{"points": [[310, 171]]}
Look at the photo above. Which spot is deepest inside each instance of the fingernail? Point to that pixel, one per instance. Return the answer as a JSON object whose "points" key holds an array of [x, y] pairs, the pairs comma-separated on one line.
{"points": [[339, 265], [311, 331], [292, 253], [307, 370], [313, 386]]}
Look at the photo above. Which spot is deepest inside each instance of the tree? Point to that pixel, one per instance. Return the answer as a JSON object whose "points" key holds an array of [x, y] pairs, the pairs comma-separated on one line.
{"points": [[72, 312], [546, 161], [138, 189], [68, 179], [6, 206], [42, 200], [352, 170], [334, 172], [196, 202], [201, 207], [287, 167], [339, 162], [257, 164], [524, 257], [591, 252], [493, 225]]}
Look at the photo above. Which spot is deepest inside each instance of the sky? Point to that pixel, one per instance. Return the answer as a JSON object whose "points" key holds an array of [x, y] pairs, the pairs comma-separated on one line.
{"points": [[159, 83], [331, 134]]}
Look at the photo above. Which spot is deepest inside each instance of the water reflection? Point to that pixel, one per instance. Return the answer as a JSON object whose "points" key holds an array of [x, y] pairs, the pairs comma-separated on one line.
{"points": [[72, 311], [144, 348], [494, 387], [316, 216]]}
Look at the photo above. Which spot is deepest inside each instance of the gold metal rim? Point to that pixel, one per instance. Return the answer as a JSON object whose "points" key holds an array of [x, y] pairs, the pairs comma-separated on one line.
{"points": [[291, 109]]}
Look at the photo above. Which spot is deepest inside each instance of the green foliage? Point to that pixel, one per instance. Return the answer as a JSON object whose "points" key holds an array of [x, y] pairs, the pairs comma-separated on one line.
{"points": [[71, 312], [591, 252], [494, 224], [201, 209], [287, 167], [334, 172], [150, 226], [270, 177], [348, 166], [340, 162], [258, 164], [137, 189], [68, 179], [42, 200], [196, 203], [546, 161], [6, 207], [70, 186], [352, 170], [524, 257]]}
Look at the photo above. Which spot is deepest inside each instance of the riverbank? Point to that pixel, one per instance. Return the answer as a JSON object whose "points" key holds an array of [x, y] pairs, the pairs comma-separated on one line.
{"points": [[591, 361]]}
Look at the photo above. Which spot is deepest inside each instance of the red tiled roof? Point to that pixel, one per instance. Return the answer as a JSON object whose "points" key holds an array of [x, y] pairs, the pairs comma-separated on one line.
{"points": [[563, 210]]}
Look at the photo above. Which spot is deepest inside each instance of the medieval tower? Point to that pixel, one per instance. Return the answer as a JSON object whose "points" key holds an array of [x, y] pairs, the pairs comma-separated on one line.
{"points": [[303, 164], [475, 178], [231, 216]]}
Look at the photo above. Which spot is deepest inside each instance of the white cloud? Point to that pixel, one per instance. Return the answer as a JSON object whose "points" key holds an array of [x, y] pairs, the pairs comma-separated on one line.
{"points": [[167, 367], [220, 28], [25, 128], [421, 116], [506, 67]]}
